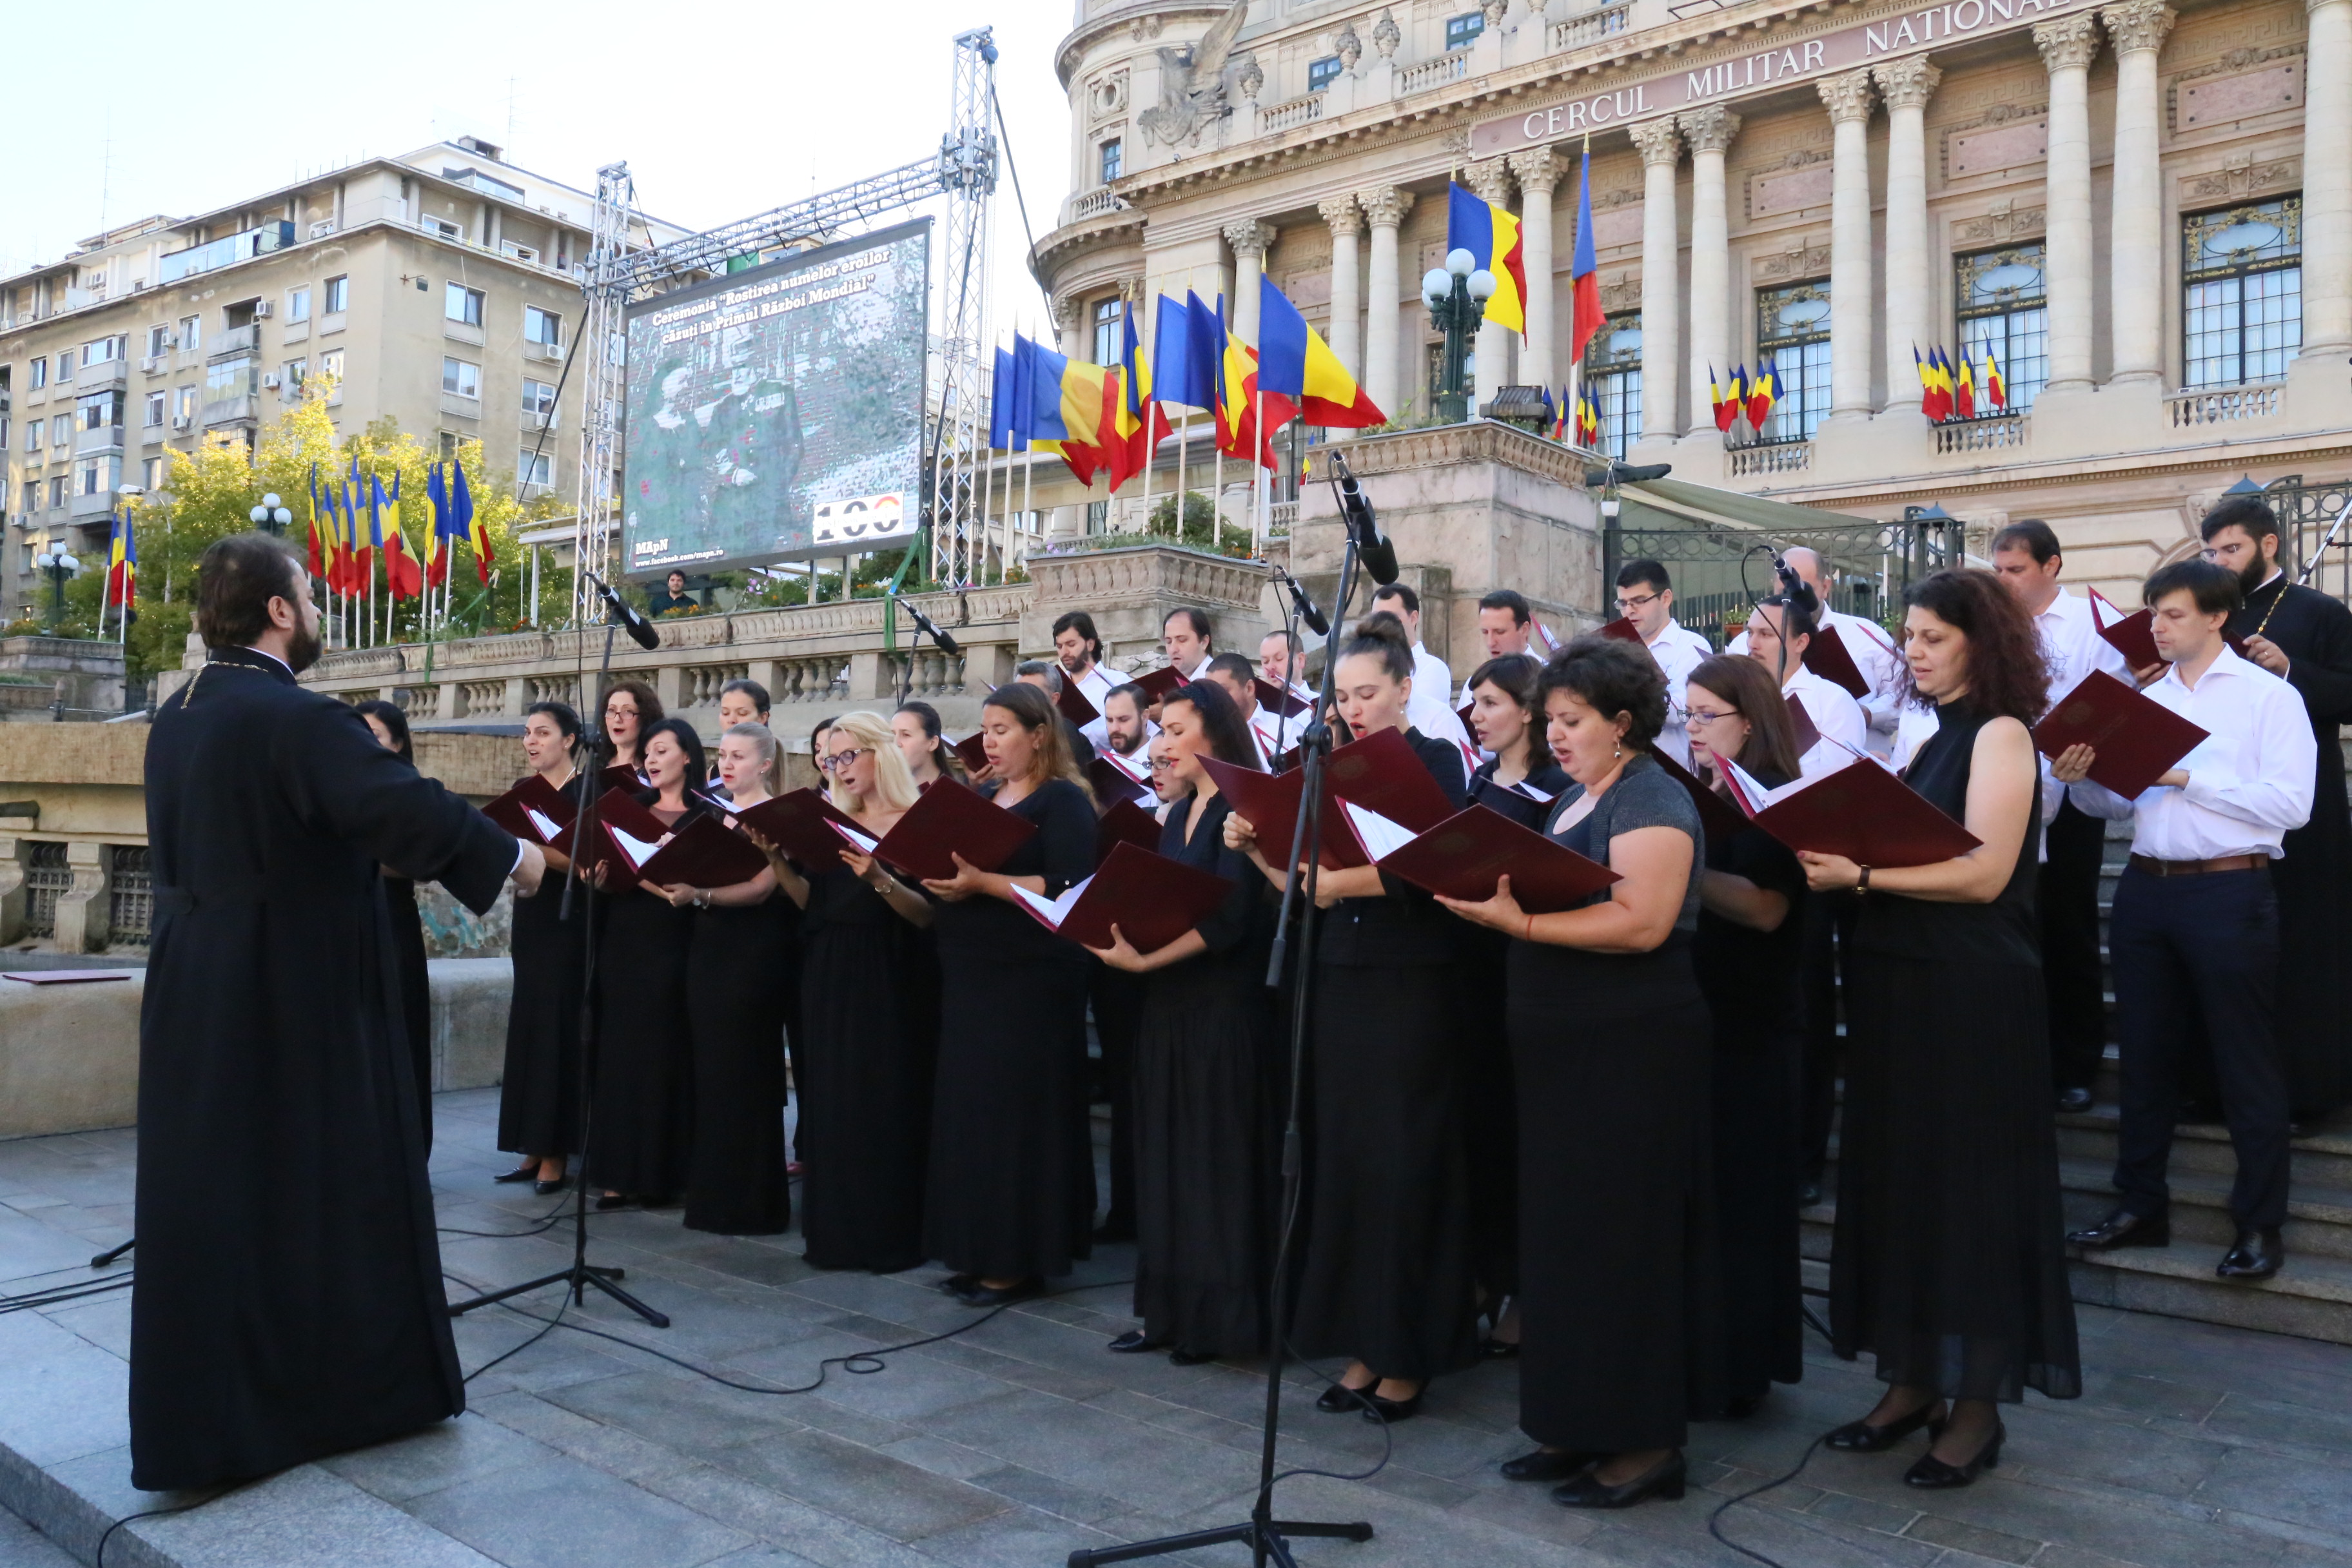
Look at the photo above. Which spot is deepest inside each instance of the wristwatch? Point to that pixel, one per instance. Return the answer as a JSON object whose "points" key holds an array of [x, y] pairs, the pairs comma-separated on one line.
{"points": [[702, 895], [1861, 884]]}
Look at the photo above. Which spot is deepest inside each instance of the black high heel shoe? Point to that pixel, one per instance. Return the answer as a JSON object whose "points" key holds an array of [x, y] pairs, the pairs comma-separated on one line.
{"points": [[1931, 1474], [1338, 1399], [1135, 1341], [1861, 1438], [520, 1174], [1387, 1412], [1663, 1479], [549, 1189], [1543, 1464]]}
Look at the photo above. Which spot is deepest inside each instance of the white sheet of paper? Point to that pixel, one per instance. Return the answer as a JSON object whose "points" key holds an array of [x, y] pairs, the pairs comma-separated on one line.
{"points": [[1053, 910], [864, 845], [547, 829], [637, 849], [1541, 798], [1382, 837]]}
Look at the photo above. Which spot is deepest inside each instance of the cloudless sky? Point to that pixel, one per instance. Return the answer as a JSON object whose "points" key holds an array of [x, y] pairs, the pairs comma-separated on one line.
{"points": [[722, 108]]}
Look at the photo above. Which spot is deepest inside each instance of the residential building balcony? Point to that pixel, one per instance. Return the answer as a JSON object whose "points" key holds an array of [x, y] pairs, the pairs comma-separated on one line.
{"points": [[234, 341], [233, 410], [82, 509], [225, 252], [99, 376], [103, 438]]}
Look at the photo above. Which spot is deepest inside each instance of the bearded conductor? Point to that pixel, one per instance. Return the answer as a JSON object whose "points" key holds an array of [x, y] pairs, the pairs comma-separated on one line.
{"points": [[289, 1301]]}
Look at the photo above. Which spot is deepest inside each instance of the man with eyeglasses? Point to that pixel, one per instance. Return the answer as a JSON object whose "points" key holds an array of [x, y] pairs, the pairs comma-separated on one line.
{"points": [[1645, 597], [1874, 654]]}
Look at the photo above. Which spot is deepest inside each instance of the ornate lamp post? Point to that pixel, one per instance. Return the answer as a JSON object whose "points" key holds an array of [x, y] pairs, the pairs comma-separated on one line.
{"points": [[271, 515], [1456, 295], [59, 565]]}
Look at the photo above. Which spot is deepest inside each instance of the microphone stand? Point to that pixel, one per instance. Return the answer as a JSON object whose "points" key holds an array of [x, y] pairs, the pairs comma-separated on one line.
{"points": [[582, 1274], [1297, 597], [1269, 1538]]}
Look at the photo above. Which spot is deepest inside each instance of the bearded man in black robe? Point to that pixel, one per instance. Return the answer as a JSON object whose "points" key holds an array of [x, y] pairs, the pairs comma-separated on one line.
{"points": [[289, 1301], [2305, 637]]}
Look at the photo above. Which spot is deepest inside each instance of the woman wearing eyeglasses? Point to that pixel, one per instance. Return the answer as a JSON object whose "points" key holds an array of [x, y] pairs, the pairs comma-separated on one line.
{"points": [[1747, 952], [870, 1020], [631, 710]]}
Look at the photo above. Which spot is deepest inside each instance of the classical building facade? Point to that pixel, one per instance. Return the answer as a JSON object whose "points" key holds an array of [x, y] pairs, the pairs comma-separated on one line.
{"points": [[2134, 209], [440, 288]]}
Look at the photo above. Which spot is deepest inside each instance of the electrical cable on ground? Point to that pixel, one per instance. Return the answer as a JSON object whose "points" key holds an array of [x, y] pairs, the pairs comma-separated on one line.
{"points": [[159, 1512]]}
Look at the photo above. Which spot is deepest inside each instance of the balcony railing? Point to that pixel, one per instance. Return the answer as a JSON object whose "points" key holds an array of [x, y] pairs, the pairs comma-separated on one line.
{"points": [[1432, 73], [102, 439], [1995, 433], [1591, 25], [1780, 457], [1297, 112], [2190, 409], [225, 252], [1094, 203], [234, 341]]}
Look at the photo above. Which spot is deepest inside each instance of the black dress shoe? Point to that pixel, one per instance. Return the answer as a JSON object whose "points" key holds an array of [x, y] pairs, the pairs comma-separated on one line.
{"points": [[549, 1189], [955, 1284], [1135, 1341], [520, 1174], [979, 1295], [2074, 1101], [1492, 1349], [1339, 1398], [1663, 1479], [613, 1200], [1544, 1464], [1180, 1356], [2257, 1256], [1931, 1474], [2124, 1229], [1387, 1410], [1861, 1438]]}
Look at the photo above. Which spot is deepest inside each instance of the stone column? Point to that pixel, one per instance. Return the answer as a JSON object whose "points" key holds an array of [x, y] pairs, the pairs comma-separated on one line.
{"points": [[1539, 173], [2067, 45], [1709, 132], [1905, 86], [1662, 150], [1492, 182], [2135, 241], [1249, 241], [2328, 182], [1849, 98], [1385, 205], [1347, 221]]}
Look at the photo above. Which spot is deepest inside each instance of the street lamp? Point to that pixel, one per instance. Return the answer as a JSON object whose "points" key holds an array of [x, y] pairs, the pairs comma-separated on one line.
{"points": [[59, 565], [271, 516], [1456, 295]]}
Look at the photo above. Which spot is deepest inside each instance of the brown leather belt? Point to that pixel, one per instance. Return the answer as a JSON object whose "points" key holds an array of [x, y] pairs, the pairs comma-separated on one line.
{"points": [[2155, 868]]}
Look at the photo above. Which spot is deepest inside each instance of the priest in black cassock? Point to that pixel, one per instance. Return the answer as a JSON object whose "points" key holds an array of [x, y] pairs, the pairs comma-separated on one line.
{"points": [[289, 1301], [2306, 636]]}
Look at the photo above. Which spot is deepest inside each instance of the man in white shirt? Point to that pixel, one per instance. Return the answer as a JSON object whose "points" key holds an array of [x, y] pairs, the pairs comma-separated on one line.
{"points": [[1645, 598], [1281, 658], [1232, 672], [2195, 936], [1184, 636], [1430, 708], [1505, 624], [1079, 651], [2026, 558], [1124, 729], [1874, 653], [1778, 632]]}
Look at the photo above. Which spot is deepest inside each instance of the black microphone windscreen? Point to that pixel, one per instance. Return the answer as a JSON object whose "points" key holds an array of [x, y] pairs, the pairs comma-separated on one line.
{"points": [[641, 632], [1380, 560]]}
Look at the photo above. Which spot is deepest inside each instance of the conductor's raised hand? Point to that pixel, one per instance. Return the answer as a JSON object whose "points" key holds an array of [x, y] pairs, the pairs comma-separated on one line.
{"points": [[529, 872], [2072, 765], [968, 881], [1502, 912]]}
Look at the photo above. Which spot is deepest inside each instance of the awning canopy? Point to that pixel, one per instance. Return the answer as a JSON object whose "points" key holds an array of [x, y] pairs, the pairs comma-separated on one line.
{"points": [[1676, 503]]}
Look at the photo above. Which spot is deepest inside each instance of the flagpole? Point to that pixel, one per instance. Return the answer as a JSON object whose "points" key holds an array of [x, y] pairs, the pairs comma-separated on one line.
{"points": [[1183, 441], [1216, 490], [1258, 444]]}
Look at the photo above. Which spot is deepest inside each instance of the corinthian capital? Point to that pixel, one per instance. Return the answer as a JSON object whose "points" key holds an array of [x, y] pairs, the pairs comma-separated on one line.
{"points": [[2138, 25], [1249, 238], [1658, 141], [1385, 205], [1342, 214], [1491, 180], [2067, 43], [1848, 96], [1906, 84], [1708, 130], [1537, 172]]}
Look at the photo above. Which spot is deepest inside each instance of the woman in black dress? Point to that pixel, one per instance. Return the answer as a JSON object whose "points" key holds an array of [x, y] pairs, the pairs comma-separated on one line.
{"points": [[1747, 954], [1011, 1181], [539, 1102], [743, 939], [631, 712], [1520, 780], [1387, 1274], [641, 1126], [1948, 1264], [1208, 1073], [390, 726], [870, 1018], [1608, 1036]]}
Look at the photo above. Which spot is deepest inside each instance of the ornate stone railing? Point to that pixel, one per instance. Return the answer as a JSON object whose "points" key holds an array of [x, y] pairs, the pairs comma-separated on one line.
{"points": [[1297, 112], [1995, 434], [2194, 408], [1781, 457], [1591, 25], [1432, 73]]}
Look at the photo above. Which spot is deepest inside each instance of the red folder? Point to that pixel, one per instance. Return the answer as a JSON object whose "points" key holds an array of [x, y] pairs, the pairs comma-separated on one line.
{"points": [[1718, 817], [1280, 700], [1125, 823], [1828, 656], [1809, 735], [796, 823], [514, 812], [621, 775], [705, 853], [1861, 811], [1115, 780], [1623, 630], [2137, 740], [1464, 855], [1074, 704], [1379, 772], [617, 812], [970, 753], [2129, 635], [950, 819], [1151, 899], [1159, 683]]}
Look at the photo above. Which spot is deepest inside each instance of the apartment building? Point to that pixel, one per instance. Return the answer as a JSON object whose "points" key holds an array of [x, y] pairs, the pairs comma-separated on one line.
{"points": [[440, 288]]}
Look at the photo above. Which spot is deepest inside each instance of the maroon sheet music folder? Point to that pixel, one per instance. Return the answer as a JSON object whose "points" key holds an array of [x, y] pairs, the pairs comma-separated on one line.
{"points": [[2137, 740], [1828, 656], [951, 820], [1125, 823], [1465, 855], [1718, 817], [797, 823], [1379, 772], [535, 812], [1151, 899], [1860, 811]]}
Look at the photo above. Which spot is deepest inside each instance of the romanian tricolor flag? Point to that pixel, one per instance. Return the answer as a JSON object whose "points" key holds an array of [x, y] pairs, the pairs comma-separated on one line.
{"points": [[1136, 423], [1065, 407], [1996, 389], [1934, 387], [1296, 364], [1964, 389], [476, 532], [1556, 415], [121, 564], [437, 538], [1762, 392], [1491, 234], [359, 575], [317, 561], [1584, 272], [1587, 422]]}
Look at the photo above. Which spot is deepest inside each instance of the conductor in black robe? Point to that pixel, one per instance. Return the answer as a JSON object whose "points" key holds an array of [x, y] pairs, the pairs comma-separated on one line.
{"points": [[2304, 637], [290, 1302]]}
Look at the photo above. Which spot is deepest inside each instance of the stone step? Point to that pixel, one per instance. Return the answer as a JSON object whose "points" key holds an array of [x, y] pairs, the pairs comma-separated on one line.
{"points": [[2319, 1219], [2322, 1153]]}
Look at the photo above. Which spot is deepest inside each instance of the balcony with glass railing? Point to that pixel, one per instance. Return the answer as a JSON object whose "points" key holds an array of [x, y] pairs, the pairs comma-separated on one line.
{"points": [[225, 252]]}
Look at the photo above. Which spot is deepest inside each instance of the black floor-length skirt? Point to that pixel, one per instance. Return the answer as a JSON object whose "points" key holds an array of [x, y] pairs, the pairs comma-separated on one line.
{"points": [[868, 1048], [736, 1183], [538, 1099], [416, 990], [1387, 1275], [1949, 1264], [1619, 1308], [1490, 1122], [1011, 1188], [1208, 1086], [1754, 1071], [642, 1115]]}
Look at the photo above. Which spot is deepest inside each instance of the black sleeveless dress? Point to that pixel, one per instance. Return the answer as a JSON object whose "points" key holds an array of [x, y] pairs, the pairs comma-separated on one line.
{"points": [[1949, 1264], [539, 1098], [735, 1176]]}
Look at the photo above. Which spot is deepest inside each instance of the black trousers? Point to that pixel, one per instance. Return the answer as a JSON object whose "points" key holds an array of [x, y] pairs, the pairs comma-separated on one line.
{"points": [[2196, 960], [1828, 941], [2069, 901]]}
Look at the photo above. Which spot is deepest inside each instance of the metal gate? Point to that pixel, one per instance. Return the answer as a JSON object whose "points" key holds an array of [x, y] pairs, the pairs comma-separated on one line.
{"points": [[2306, 513], [1718, 571]]}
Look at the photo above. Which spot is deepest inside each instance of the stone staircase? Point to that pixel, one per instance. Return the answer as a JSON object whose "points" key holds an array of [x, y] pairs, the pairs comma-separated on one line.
{"points": [[2311, 1297]]}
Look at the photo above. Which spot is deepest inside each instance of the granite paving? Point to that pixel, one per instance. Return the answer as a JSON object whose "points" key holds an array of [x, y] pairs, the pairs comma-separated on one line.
{"points": [[749, 1436]]}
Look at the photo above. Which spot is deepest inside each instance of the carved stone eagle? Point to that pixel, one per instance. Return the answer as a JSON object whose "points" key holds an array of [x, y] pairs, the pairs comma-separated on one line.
{"points": [[1192, 81]]}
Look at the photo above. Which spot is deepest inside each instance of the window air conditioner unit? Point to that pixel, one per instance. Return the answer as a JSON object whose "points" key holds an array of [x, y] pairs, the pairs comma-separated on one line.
{"points": [[178, 422], [263, 310], [271, 381]]}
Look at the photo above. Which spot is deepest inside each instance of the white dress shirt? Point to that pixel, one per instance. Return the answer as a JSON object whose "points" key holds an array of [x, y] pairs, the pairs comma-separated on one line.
{"points": [[1834, 713], [1678, 650], [1430, 709], [1095, 685], [2250, 780], [1874, 655], [2071, 648], [1274, 734]]}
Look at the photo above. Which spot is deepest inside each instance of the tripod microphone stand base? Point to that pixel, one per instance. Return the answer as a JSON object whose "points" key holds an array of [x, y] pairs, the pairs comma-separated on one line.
{"points": [[1268, 1541], [578, 1277]]}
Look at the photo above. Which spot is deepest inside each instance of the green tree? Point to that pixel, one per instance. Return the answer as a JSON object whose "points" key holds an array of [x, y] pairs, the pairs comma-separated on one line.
{"points": [[1200, 531]]}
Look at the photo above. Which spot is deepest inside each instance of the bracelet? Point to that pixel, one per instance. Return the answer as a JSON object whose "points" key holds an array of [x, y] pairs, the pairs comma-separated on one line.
{"points": [[1861, 884], [1528, 933]]}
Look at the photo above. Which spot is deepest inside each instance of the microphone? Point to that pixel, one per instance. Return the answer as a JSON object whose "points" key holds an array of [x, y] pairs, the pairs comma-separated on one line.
{"points": [[1305, 605], [947, 643], [1376, 554], [641, 631], [1798, 591]]}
